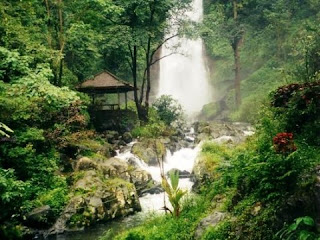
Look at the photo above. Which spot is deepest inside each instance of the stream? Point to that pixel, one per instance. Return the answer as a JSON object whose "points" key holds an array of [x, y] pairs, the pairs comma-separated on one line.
{"points": [[182, 160]]}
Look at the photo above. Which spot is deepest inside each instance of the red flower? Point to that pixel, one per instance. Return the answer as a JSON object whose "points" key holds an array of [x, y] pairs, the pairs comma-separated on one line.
{"points": [[283, 143]]}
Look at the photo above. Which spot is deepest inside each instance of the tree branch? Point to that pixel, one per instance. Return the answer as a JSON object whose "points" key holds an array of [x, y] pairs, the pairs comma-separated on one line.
{"points": [[161, 44], [157, 60]]}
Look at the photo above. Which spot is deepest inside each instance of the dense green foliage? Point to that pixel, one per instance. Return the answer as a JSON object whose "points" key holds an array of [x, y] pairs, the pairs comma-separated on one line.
{"points": [[48, 47], [280, 46], [302, 228], [259, 186], [169, 110], [168, 227], [165, 117]]}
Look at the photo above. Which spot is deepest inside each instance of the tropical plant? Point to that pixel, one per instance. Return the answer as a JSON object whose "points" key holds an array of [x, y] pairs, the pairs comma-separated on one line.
{"points": [[301, 229], [174, 192]]}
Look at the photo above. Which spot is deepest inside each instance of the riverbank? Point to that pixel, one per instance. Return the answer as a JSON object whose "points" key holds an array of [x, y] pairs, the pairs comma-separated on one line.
{"points": [[184, 159], [264, 188]]}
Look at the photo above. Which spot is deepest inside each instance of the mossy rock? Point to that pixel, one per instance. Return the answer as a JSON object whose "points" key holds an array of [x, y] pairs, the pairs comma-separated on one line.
{"points": [[210, 111], [149, 150], [85, 163], [88, 145], [96, 199]]}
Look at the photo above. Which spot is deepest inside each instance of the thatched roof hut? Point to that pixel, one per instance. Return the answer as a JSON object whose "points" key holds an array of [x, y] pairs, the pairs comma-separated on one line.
{"points": [[105, 82]]}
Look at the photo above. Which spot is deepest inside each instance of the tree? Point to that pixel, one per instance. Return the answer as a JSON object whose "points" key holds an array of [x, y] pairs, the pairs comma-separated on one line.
{"points": [[225, 22], [169, 109], [140, 31]]}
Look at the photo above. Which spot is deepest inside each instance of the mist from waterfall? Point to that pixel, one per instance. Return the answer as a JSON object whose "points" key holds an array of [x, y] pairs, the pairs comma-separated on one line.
{"points": [[184, 75]]}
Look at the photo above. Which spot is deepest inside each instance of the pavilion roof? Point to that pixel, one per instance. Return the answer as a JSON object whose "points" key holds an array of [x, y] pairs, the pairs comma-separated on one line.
{"points": [[105, 82]]}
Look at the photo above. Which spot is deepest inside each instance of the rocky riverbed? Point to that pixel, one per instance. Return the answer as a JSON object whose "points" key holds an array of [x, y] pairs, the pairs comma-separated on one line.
{"points": [[105, 188]]}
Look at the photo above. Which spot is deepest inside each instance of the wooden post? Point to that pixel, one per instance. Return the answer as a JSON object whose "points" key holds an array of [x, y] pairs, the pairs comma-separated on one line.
{"points": [[118, 100], [126, 96]]}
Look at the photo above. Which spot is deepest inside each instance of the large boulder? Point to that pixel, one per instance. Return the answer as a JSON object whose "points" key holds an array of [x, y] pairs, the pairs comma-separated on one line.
{"points": [[127, 137], [222, 132], [112, 136], [85, 163], [115, 167], [149, 150], [97, 199], [156, 189], [210, 221], [83, 143], [39, 217], [103, 189]]}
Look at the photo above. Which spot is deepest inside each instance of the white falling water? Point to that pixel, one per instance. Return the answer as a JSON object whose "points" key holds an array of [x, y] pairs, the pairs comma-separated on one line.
{"points": [[184, 75]]}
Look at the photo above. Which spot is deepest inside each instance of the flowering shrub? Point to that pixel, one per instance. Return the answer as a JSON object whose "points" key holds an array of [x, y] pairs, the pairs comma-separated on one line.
{"points": [[283, 143], [297, 107], [308, 92], [283, 94]]}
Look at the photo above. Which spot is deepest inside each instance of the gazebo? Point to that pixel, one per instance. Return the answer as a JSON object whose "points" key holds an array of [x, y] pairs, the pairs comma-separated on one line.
{"points": [[106, 83], [108, 116]]}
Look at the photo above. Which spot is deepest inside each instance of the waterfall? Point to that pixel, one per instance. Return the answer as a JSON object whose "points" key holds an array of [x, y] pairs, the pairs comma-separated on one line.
{"points": [[184, 75]]}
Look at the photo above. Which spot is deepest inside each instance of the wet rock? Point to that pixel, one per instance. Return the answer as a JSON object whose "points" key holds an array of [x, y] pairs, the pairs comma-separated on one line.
{"points": [[125, 149], [154, 190], [39, 217], [97, 199], [111, 136], [127, 137], [122, 143], [85, 163], [235, 132], [132, 162], [189, 139], [107, 189], [210, 221], [115, 167], [182, 173], [149, 151], [60, 225]]}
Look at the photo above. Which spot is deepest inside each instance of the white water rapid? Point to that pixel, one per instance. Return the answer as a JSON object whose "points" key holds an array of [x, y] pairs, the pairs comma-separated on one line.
{"points": [[183, 160], [184, 75]]}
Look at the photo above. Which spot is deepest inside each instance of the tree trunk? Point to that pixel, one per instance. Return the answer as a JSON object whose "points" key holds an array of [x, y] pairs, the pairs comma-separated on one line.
{"points": [[61, 43], [148, 63], [140, 109], [236, 44], [237, 87], [59, 82]]}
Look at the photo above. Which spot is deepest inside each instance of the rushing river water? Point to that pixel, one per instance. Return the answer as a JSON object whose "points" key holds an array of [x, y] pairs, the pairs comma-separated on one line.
{"points": [[182, 159]]}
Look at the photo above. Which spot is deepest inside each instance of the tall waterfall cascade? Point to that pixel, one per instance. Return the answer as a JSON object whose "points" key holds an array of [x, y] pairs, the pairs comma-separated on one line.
{"points": [[183, 75]]}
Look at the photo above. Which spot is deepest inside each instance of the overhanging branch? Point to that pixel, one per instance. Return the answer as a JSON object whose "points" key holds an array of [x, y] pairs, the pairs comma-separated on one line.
{"points": [[157, 60], [161, 44]]}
